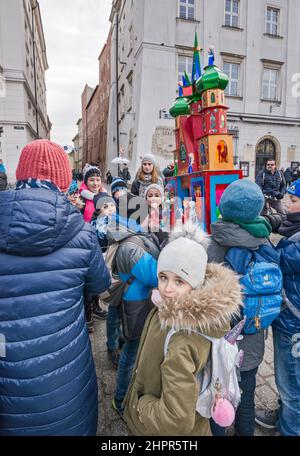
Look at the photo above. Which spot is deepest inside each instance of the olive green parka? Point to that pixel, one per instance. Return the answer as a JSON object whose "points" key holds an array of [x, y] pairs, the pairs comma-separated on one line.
{"points": [[161, 399]]}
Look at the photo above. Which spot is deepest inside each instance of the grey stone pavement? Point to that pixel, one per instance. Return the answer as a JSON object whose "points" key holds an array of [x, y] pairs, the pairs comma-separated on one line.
{"points": [[110, 423]]}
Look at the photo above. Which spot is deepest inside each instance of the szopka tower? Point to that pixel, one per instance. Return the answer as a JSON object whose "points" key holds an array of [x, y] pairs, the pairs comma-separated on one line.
{"points": [[202, 140], [204, 150]]}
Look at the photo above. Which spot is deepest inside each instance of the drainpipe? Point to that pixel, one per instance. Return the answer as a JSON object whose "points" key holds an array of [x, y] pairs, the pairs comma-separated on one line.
{"points": [[34, 72], [117, 86]]}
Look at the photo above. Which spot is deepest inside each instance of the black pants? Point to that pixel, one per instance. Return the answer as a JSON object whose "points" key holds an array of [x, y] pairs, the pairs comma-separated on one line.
{"points": [[245, 414]]}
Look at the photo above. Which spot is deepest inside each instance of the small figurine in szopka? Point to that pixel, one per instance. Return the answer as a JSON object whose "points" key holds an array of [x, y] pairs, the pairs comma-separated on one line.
{"points": [[176, 168], [166, 209], [191, 162], [178, 216], [192, 212], [211, 56], [186, 209]]}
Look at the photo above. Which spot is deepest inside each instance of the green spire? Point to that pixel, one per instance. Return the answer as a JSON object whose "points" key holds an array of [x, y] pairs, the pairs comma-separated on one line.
{"points": [[196, 73], [187, 78]]}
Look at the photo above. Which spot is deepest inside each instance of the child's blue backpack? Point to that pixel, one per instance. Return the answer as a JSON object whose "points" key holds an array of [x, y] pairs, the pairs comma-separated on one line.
{"points": [[262, 284]]}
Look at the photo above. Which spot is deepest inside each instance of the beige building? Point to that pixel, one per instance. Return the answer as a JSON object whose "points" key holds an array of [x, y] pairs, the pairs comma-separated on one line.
{"points": [[77, 142], [95, 106], [256, 44], [85, 99], [23, 63]]}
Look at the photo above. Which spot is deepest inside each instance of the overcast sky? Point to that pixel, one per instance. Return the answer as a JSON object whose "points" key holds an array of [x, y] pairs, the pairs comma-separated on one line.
{"points": [[75, 32]]}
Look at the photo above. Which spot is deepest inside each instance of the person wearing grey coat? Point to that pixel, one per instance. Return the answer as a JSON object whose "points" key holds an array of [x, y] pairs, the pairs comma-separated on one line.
{"points": [[3, 182]]}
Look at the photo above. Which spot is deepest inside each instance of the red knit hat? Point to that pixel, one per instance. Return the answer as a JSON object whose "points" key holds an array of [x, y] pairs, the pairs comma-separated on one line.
{"points": [[45, 160]]}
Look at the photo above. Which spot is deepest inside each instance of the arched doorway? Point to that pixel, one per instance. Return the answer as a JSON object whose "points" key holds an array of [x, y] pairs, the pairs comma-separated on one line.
{"points": [[265, 150]]}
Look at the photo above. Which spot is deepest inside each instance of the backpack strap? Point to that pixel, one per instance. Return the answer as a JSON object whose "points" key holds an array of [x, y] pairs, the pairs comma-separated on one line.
{"points": [[174, 331], [167, 339], [238, 259], [136, 240], [291, 307]]}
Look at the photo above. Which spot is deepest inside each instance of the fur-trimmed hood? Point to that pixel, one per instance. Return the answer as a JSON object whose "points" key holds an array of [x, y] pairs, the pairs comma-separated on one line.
{"points": [[208, 309]]}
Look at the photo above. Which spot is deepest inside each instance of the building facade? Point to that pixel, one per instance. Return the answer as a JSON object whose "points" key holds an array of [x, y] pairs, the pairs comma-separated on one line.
{"points": [[85, 98], [77, 141], [23, 63], [93, 128], [95, 106], [254, 43]]}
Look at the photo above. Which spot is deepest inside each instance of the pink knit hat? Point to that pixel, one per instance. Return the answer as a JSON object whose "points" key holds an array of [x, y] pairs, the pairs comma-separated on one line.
{"points": [[45, 160]]}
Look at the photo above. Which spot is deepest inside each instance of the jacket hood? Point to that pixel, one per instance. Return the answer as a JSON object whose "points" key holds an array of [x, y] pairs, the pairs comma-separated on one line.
{"points": [[229, 234], [36, 222], [209, 308]]}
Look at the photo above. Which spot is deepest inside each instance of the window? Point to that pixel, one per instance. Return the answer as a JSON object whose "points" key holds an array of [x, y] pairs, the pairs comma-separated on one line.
{"points": [[244, 166], [233, 72], [232, 13], [129, 102], [270, 84], [130, 41], [187, 9], [272, 21], [185, 63]]}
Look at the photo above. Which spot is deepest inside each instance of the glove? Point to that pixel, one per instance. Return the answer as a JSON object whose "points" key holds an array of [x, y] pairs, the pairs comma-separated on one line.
{"points": [[279, 196]]}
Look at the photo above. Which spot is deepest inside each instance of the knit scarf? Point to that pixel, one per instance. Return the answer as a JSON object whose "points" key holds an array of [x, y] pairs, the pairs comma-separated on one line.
{"points": [[37, 183], [291, 225], [259, 227], [147, 179]]}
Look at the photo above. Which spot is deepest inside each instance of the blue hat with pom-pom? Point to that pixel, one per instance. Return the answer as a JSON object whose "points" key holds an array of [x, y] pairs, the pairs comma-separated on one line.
{"points": [[242, 200], [117, 184]]}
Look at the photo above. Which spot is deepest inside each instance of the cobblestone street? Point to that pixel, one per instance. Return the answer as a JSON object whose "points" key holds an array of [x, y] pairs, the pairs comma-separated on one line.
{"points": [[109, 422]]}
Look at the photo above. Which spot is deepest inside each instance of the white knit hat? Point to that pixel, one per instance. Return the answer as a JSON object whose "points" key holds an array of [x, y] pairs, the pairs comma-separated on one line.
{"points": [[185, 255], [149, 158], [156, 187]]}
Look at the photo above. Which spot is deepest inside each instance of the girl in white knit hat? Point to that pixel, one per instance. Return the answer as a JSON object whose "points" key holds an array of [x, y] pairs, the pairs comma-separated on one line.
{"points": [[147, 174], [192, 296]]}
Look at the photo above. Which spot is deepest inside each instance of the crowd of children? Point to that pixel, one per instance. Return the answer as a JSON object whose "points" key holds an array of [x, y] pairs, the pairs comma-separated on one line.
{"points": [[172, 298], [149, 407]]}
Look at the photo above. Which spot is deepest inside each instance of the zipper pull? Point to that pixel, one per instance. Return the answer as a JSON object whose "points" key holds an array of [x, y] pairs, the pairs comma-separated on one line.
{"points": [[257, 323]]}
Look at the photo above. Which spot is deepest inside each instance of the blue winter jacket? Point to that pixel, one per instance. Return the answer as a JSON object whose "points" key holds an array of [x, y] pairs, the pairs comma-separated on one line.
{"points": [[290, 266], [48, 259]]}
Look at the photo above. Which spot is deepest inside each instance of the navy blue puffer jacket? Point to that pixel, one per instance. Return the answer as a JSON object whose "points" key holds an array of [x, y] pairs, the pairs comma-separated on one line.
{"points": [[48, 259], [289, 249]]}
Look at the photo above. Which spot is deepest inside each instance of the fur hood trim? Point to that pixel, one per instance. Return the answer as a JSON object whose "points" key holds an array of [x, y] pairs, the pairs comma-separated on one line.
{"points": [[208, 308]]}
